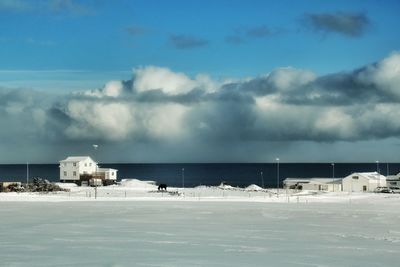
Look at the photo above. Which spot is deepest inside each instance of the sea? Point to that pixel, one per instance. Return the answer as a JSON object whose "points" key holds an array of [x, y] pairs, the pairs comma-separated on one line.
{"points": [[194, 174]]}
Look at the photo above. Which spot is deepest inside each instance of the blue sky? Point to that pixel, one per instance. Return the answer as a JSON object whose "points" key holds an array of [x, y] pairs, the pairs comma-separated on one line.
{"points": [[95, 36], [234, 81]]}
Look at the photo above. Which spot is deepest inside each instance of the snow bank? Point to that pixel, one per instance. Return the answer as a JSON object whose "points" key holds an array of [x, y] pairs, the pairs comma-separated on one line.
{"points": [[253, 187], [138, 184]]}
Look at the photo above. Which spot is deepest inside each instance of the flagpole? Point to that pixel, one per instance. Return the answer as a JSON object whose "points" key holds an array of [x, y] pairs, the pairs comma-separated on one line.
{"points": [[27, 173]]}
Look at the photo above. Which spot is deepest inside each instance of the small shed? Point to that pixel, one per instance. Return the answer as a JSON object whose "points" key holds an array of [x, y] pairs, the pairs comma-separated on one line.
{"points": [[363, 182]]}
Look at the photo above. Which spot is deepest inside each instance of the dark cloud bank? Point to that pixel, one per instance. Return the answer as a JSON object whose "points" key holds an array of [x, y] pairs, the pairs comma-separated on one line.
{"points": [[161, 115], [349, 24], [182, 41]]}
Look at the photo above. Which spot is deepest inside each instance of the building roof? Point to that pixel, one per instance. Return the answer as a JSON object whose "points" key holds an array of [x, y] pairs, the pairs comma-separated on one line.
{"points": [[392, 178], [106, 169], [314, 180], [76, 159], [370, 175]]}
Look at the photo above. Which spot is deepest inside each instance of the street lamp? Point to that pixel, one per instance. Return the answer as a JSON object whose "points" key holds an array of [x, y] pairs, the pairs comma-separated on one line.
{"points": [[183, 177], [27, 174], [262, 179], [277, 177], [387, 169], [377, 170], [333, 176]]}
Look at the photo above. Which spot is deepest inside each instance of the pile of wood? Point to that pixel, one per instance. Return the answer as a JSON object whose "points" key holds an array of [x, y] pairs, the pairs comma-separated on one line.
{"points": [[43, 185], [11, 187], [38, 185]]}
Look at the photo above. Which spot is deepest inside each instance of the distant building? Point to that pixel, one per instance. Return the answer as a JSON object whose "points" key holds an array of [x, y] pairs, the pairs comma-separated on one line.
{"points": [[81, 170], [393, 180], [317, 184], [363, 182]]}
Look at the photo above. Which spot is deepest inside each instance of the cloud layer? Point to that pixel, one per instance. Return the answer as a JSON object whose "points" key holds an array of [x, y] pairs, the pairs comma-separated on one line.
{"points": [[160, 107], [348, 24], [46, 6], [182, 41]]}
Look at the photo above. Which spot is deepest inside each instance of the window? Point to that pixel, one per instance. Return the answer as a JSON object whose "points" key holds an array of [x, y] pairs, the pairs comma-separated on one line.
{"points": [[85, 164], [74, 173], [65, 173], [112, 174], [74, 164], [355, 177], [90, 164]]}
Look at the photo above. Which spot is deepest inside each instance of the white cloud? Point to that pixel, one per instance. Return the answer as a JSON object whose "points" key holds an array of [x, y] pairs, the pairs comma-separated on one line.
{"points": [[91, 120], [111, 89], [336, 122], [165, 122], [151, 78], [287, 105], [290, 78], [385, 74]]}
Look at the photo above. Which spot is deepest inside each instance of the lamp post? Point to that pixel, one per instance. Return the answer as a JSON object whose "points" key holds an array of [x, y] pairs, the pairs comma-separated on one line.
{"points": [[95, 147], [387, 169], [183, 178], [333, 176], [377, 170], [262, 179], [277, 178], [27, 174]]}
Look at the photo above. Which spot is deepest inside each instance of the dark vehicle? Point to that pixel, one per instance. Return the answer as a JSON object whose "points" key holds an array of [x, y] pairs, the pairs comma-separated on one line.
{"points": [[395, 189], [384, 189]]}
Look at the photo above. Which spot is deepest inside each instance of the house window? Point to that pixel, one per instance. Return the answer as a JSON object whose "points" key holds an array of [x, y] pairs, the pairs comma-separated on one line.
{"points": [[65, 173], [355, 177], [90, 164], [112, 174], [85, 164], [74, 173], [74, 164]]}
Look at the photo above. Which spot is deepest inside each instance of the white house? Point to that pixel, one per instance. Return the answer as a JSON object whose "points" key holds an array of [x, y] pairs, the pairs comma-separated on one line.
{"points": [[318, 184], [72, 168], [363, 182], [83, 169]]}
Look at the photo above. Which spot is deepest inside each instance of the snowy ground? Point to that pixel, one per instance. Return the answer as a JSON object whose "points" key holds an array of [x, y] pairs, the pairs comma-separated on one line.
{"points": [[234, 229]]}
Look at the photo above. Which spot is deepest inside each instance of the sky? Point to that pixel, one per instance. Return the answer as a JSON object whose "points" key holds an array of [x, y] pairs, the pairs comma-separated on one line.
{"points": [[200, 81]]}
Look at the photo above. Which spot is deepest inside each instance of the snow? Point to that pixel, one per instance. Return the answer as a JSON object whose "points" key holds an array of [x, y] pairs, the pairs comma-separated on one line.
{"points": [[138, 184], [133, 224], [253, 187]]}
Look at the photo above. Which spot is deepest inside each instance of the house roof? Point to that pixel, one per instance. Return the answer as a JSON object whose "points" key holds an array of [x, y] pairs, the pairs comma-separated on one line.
{"points": [[76, 159]]}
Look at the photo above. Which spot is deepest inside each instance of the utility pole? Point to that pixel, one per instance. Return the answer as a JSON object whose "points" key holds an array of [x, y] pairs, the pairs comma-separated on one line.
{"points": [[27, 174]]}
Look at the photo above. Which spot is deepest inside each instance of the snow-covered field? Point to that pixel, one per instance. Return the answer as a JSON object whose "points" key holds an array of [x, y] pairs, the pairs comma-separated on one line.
{"points": [[122, 227]]}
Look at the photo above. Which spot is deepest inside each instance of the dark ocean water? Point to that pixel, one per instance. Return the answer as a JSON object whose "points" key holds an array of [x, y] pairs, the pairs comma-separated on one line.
{"points": [[236, 174]]}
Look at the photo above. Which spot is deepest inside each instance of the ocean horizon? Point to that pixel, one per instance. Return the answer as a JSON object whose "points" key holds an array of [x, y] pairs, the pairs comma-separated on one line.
{"points": [[194, 174]]}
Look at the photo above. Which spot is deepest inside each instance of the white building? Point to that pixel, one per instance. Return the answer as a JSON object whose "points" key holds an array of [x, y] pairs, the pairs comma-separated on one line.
{"points": [[363, 182], [393, 180], [317, 184], [82, 169], [109, 174]]}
